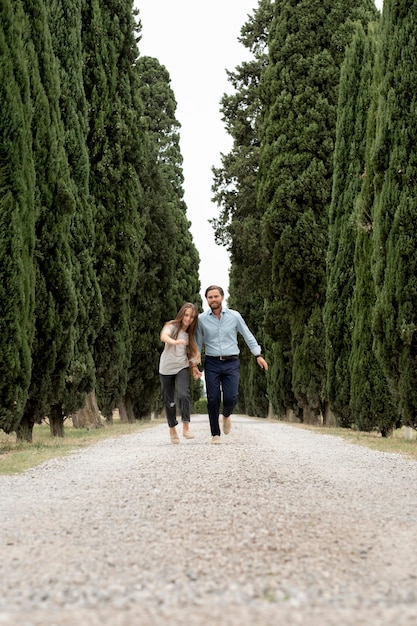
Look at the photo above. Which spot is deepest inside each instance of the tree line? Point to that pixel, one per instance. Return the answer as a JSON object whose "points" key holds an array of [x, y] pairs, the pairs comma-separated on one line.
{"points": [[318, 210], [95, 245]]}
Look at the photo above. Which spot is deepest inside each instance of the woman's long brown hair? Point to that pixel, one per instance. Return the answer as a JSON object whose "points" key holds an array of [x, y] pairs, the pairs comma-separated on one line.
{"points": [[193, 351]]}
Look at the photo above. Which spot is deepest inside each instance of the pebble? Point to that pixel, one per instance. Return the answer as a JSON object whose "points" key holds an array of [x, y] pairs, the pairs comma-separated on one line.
{"points": [[277, 525]]}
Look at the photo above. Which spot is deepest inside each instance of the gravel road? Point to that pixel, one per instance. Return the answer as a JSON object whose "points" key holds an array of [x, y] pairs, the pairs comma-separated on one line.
{"points": [[278, 526]]}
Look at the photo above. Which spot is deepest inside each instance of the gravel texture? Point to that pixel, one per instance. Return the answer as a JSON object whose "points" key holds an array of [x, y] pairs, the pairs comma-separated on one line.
{"points": [[278, 526]]}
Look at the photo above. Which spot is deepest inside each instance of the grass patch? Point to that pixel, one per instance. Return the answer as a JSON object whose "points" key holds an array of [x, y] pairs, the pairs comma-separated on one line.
{"points": [[396, 444], [17, 456]]}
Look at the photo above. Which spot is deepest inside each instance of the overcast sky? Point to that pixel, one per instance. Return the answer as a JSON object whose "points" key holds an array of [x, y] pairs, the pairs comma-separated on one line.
{"points": [[197, 42]]}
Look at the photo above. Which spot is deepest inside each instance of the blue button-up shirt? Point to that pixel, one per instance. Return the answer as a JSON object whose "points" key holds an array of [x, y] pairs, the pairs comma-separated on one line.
{"points": [[220, 335]]}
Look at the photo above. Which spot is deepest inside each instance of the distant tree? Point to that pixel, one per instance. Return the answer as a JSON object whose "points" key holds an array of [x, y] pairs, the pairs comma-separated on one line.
{"points": [[395, 240], [17, 214], [234, 187], [299, 96], [152, 298], [168, 254], [164, 132]]}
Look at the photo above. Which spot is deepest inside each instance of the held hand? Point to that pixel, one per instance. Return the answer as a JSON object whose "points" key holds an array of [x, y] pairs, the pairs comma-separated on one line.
{"points": [[180, 342], [262, 363], [196, 373]]}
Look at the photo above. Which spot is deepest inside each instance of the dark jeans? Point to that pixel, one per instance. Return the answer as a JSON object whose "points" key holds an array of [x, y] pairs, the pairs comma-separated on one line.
{"points": [[222, 378], [176, 384]]}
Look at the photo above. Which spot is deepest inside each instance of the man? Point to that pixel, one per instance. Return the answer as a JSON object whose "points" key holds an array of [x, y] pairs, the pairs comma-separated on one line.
{"points": [[218, 330]]}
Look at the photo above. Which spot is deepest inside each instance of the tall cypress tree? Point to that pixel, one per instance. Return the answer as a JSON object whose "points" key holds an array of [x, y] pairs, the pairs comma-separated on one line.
{"points": [[56, 304], [17, 215], [149, 305], [64, 370], [395, 261], [168, 255], [109, 79], [348, 174], [234, 186], [370, 400], [300, 90], [163, 130], [65, 20]]}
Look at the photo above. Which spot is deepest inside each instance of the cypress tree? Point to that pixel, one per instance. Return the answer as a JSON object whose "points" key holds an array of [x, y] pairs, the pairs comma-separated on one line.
{"points": [[157, 257], [17, 215], [56, 304], [65, 21], [370, 400], [113, 142], [394, 161], [234, 187], [163, 130], [64, 371], [168, 254], [348, 173], [299, 95]]}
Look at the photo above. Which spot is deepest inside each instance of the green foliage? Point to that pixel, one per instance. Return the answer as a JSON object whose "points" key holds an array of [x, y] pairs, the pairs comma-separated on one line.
{"points": [[175, 257], [308, 372], [196, 389], [394, 163], [17, 214], [299, 94], [168, 254], [348, 176], [234, 187], [66, 22], [253, 398], [200, 406], [56, 299], [92, 214], [316, 197], [115, 148], [372, 406]]}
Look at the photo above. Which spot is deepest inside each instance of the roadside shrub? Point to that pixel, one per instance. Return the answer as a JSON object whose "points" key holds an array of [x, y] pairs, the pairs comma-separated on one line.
{"points": [[200, 406]]}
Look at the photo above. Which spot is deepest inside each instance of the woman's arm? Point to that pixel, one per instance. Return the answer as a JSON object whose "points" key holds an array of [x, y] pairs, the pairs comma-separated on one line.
{"points": [[166, 337]]}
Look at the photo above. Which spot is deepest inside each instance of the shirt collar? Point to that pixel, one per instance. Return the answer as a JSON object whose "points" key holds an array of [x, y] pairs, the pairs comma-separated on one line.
{"points": [[223, 311]]}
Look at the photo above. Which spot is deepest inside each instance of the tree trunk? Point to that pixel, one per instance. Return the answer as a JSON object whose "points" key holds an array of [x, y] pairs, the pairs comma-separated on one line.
{"points": [[310, 415], [386, 431], [24, 431], [56, 420], [89, 416], [123, 412], [126, 413]]}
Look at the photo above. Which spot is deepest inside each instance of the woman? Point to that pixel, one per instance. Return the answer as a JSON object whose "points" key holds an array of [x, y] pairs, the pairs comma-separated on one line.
{"points": [[180, 352]]}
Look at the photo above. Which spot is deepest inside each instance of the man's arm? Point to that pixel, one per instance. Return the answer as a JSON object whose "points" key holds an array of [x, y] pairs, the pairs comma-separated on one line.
{"points": [[247, 335], [251, 342]]}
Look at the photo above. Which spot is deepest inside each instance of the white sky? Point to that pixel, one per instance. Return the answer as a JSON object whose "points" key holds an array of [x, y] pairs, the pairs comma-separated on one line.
{"points": [[197, 42]]}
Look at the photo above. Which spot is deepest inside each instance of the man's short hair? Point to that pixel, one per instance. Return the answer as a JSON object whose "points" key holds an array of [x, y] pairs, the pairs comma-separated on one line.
{"points": [[211, 288]]}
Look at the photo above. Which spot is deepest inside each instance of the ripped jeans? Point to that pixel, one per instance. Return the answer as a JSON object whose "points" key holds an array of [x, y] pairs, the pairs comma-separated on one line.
{"points": [[176, 385]]}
